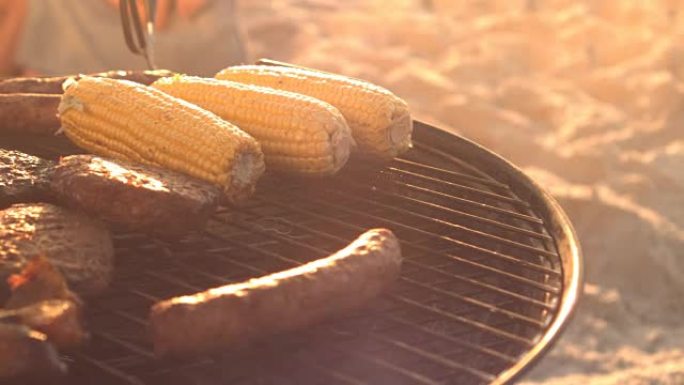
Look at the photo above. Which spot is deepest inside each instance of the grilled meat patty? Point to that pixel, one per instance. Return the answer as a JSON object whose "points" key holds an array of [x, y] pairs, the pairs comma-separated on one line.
{"points": [[23, 178], [234, 315], [142, 198], [80, 247]]}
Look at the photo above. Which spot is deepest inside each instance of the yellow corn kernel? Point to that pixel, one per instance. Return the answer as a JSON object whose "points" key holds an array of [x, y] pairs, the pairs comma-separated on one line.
{"points": [[379, 120], [130, 121], [298, 133]]}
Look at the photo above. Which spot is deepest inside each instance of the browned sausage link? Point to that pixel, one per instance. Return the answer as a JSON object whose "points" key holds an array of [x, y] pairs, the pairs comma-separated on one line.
{"points": [[53, 85], [232, 316], [29, 114]]}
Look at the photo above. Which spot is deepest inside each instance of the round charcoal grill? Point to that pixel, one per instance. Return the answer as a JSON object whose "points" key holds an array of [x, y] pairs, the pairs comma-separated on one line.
{"points": [[492, 272]]}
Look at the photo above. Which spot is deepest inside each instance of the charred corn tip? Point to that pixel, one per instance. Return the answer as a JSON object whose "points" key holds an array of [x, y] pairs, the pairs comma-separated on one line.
{"points": [[298, 133], [126, 120], [379, 120]]}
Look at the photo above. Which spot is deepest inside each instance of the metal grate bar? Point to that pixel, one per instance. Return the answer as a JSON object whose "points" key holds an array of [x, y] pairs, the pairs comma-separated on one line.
{"points": [[473, 282], [478, 218], [142, 294], [388, 365], [129, 317], [463, 165], [475, 324], [171, 279], [484, 285], [475, 302], [446, 362], [134, 348], [466, 321], [203, 273], [471, 217], [502, 256], [456, 186], [460, 175], [472, 203], [452, 339], [468, 230], [120, 375], [356, 228], [246, 245], [236, 263], [460, 163], [335, 374]]}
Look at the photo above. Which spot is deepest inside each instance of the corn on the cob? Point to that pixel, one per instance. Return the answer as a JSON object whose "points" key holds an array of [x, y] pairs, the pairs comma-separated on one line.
{"points": [[380, 121], [297, 133], [126, 120]]}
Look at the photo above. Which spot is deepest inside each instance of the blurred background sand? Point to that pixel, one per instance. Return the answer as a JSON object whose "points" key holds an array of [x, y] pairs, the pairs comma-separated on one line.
{"points": [[586, 96]]}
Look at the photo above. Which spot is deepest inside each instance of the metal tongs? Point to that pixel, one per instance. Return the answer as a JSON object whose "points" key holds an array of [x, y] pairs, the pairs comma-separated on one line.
{"points": [[142, 41]]}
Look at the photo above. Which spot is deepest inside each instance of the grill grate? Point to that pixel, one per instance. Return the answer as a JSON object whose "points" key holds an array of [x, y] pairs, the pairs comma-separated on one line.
{"points": [[482, 283]]}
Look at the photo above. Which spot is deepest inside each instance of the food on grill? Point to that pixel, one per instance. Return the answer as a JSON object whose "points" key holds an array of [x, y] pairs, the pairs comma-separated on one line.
{"points": [[34, 114], [297, 133], [233, 315], [42, 301], [23, 178], [129, 121], [53, 85], [59, 320], [80, 247], [26, 355], [140, 197], [380, 121], [38, 281]]}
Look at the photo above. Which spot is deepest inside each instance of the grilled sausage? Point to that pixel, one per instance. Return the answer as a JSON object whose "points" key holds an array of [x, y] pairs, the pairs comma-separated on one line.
{"points": [[80, 247], [142, 198], [232, 316], [53, 85], [34, 114], [25, 355], [23, 178]]}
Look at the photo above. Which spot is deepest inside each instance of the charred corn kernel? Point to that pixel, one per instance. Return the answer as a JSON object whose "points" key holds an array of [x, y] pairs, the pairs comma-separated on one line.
{"points": [[297, 133], [379, 120], [130, 121]]}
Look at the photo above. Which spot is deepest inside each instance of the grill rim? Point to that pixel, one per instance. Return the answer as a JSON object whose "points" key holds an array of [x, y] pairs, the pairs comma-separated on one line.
{"points": [[556, 222]]}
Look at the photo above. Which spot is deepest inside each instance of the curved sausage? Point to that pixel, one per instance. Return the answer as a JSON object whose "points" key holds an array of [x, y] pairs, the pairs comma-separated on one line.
{"points": [[232, 316]]}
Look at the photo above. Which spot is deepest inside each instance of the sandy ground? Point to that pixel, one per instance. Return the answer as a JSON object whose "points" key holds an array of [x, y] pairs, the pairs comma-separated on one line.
{"points": [[586, 96]]}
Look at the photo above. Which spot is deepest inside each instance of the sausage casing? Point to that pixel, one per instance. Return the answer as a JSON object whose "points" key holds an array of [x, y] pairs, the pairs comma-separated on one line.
{"points": [[231, 316]]}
